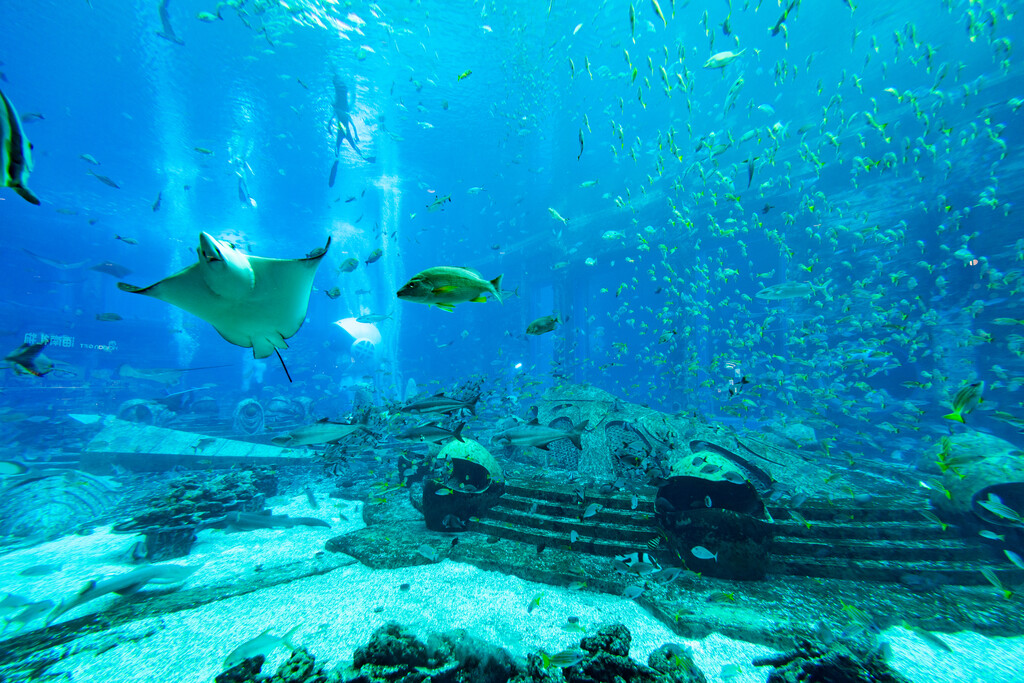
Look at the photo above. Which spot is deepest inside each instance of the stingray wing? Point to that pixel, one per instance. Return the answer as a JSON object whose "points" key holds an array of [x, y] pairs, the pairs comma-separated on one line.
{"points": [[188, 291], [280, 298]]}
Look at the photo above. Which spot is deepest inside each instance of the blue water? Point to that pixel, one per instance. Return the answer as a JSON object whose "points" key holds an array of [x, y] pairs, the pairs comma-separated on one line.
{"points": [[108, 86], [908, 233]]}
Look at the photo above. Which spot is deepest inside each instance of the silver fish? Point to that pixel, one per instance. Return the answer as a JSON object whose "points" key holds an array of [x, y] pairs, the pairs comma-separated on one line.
{"points": [[702, 553]]}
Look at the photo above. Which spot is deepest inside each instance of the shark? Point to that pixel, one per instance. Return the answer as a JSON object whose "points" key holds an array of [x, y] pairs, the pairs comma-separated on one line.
{"points": [[23, 618], [322, 431], [123, 585], [15, 152], [250, 521], [431, 432], [251, 301], [165, 376], [537, 435], [439, 403]]}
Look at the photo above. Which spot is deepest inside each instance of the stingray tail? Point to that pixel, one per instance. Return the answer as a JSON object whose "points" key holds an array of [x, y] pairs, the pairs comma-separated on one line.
{"points": [[287, 374]]}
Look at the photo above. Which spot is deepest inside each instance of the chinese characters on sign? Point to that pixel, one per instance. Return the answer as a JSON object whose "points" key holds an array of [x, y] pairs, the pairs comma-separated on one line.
{"points": [[64, 341], [51, 339]]}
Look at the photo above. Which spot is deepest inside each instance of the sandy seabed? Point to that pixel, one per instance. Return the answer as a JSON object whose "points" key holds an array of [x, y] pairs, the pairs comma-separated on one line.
{"points": [[338, 611]]}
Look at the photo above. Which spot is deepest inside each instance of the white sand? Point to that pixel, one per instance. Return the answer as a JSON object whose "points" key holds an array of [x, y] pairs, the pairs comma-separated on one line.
{"points": [[975, 658], [338, 611], [224, 556]]}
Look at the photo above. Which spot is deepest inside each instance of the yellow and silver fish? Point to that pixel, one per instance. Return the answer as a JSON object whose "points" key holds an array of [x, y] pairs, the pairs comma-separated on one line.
{"points": [[446, 286], [966, 400]]}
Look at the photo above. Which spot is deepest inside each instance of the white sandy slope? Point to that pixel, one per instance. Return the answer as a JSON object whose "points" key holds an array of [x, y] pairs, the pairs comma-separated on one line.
{"points": [[223, 556], [974, 658], [338, 611]]}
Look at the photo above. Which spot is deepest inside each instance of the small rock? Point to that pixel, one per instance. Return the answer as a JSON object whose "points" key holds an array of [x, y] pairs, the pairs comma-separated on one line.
{"points": [[677, 662], [300, 668], [614, 639], [390, 645], [243, 672]]}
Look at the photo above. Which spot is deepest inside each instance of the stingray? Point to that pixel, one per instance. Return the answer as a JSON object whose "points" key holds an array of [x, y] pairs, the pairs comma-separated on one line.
{"points": [[60, 265], [251, 301], [166, 376], [111, 268]]}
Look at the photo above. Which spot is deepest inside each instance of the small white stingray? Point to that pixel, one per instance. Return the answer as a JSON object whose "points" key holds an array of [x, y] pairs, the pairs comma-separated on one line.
{"points": [[251, 301]]}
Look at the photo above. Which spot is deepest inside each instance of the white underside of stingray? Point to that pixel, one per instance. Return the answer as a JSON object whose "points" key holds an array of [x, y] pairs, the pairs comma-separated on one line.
{"points": [[251, 301]]}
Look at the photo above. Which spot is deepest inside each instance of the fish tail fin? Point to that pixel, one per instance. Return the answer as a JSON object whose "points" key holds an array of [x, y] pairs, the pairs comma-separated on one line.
{"points": [[26, 194], [496, 283], [54, 614], [457, 434], [286, 639], [577, 431], [956, 416], [471, 405]]}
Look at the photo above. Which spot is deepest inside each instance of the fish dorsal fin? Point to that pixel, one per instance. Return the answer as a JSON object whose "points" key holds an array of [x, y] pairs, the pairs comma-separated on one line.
{"points": [[131, 589], [439, 394], [286, 639], [322, 420], [534, 421], [87, 587]]}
